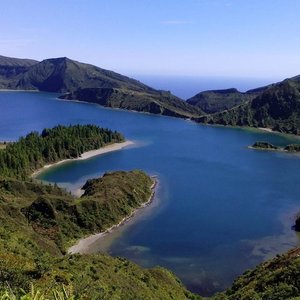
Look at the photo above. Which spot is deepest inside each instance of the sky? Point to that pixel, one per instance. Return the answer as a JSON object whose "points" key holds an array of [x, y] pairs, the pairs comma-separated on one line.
{"points": [[230, 38]]}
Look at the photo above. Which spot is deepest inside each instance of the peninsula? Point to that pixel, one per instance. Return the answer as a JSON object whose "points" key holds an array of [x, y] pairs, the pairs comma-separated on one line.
{"points": [[86, 155], [39, 222]]}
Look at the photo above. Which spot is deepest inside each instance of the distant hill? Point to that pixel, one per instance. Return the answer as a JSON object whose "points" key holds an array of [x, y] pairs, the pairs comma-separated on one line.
{"points": [[218, 100], [61, 75], [155, 102], [85, 82], [276, 106], [11, 69]]}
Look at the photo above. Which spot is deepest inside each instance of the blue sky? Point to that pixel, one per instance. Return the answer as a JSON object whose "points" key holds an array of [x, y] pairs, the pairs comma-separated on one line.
{"points": [[233, 38]]}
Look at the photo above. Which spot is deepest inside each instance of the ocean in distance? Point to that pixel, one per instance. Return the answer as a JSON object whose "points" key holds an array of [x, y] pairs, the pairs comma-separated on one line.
{"points": [[187, 86], [220, 207]]}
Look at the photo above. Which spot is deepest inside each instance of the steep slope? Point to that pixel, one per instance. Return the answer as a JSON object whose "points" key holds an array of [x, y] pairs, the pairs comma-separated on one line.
{"points": [[65, 75], [278, 279], [155, 102], [89, 83], [218, 100], [39, 222], [277, 107], [11, 69]]}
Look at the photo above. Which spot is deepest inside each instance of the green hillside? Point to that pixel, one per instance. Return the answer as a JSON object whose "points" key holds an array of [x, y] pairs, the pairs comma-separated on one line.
{"points": [[276, 279], [155, 102], [85, 82], [277, 108], [62, 74], [12, 69], [218, 100], [39, 222]]}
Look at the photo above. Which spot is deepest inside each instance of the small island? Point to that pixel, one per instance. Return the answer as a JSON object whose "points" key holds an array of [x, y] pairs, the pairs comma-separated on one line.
{"points": [[292, 148], [264, 146], [259, 145]]}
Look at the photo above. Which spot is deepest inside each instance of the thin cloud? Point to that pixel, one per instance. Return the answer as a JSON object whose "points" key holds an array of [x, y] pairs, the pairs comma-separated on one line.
{"points": [[176, 22]]}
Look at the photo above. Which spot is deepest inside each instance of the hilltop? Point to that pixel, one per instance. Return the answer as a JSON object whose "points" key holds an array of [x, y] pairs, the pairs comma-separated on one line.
{"points": [[276, 106], [12, 69], [213, 101], [85, 82], [60, 75]]}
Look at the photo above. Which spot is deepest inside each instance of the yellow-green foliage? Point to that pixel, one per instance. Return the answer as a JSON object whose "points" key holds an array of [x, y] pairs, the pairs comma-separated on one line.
{"points": [[276, 279], [33, 240], [61, 293]]}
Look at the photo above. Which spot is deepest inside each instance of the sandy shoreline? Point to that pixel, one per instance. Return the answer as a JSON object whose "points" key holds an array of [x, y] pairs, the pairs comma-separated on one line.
{"points": [[8, 90], [87, 155], [82, 246], [266, 129]]}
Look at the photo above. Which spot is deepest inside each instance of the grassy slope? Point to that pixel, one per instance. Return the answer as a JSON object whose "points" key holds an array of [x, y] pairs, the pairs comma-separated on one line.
{"points": [[65, 75], [11, 70], [38, 222], [276, 279], [62, 75], [277, 107], [218, 100], [156, 102]]}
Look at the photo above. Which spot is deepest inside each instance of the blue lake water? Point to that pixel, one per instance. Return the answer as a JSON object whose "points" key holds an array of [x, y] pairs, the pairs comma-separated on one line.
{"points": [[220, 207]]}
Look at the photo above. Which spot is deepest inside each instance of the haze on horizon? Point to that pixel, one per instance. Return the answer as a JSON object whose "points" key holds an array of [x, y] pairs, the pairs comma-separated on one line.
{"points": [[232, 38]]}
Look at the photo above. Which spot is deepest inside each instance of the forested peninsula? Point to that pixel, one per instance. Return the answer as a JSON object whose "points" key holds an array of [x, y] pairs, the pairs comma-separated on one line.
{"points": [[39, 222], [35, 150]]}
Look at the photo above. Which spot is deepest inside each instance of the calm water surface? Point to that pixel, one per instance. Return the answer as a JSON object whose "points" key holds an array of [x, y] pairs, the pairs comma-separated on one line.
{"points": [[220, 207]]}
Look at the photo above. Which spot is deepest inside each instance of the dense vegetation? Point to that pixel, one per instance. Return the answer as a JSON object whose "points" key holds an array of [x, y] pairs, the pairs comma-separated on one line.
{"points": [[33, 151], [155, 102], [292, 148], [277, 107], [12, 69], [218, 100], [276, 279], [86, 82], [269, 146], [106, 202], [39, 222], [65, 75], [264, 146]]}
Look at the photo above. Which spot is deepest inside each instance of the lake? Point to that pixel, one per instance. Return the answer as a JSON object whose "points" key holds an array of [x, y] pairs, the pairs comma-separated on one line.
{"points": [[220, 208]]}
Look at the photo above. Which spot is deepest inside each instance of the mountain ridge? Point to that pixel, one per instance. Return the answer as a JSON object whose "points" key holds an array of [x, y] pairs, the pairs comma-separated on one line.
{"points": [[89, 83], [275, 106]]}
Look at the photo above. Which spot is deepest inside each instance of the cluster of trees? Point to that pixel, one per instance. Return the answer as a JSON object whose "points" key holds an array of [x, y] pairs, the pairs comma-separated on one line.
{"points": [[35, 150]]}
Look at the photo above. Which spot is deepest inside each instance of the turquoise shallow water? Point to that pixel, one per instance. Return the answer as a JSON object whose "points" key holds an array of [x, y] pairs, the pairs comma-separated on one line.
{"points": [[220, 207]]}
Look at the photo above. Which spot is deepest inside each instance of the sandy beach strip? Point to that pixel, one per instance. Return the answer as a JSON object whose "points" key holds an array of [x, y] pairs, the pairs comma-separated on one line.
{"points": [[10, 90], [265, 129], [82, 246], [87, 155]]}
